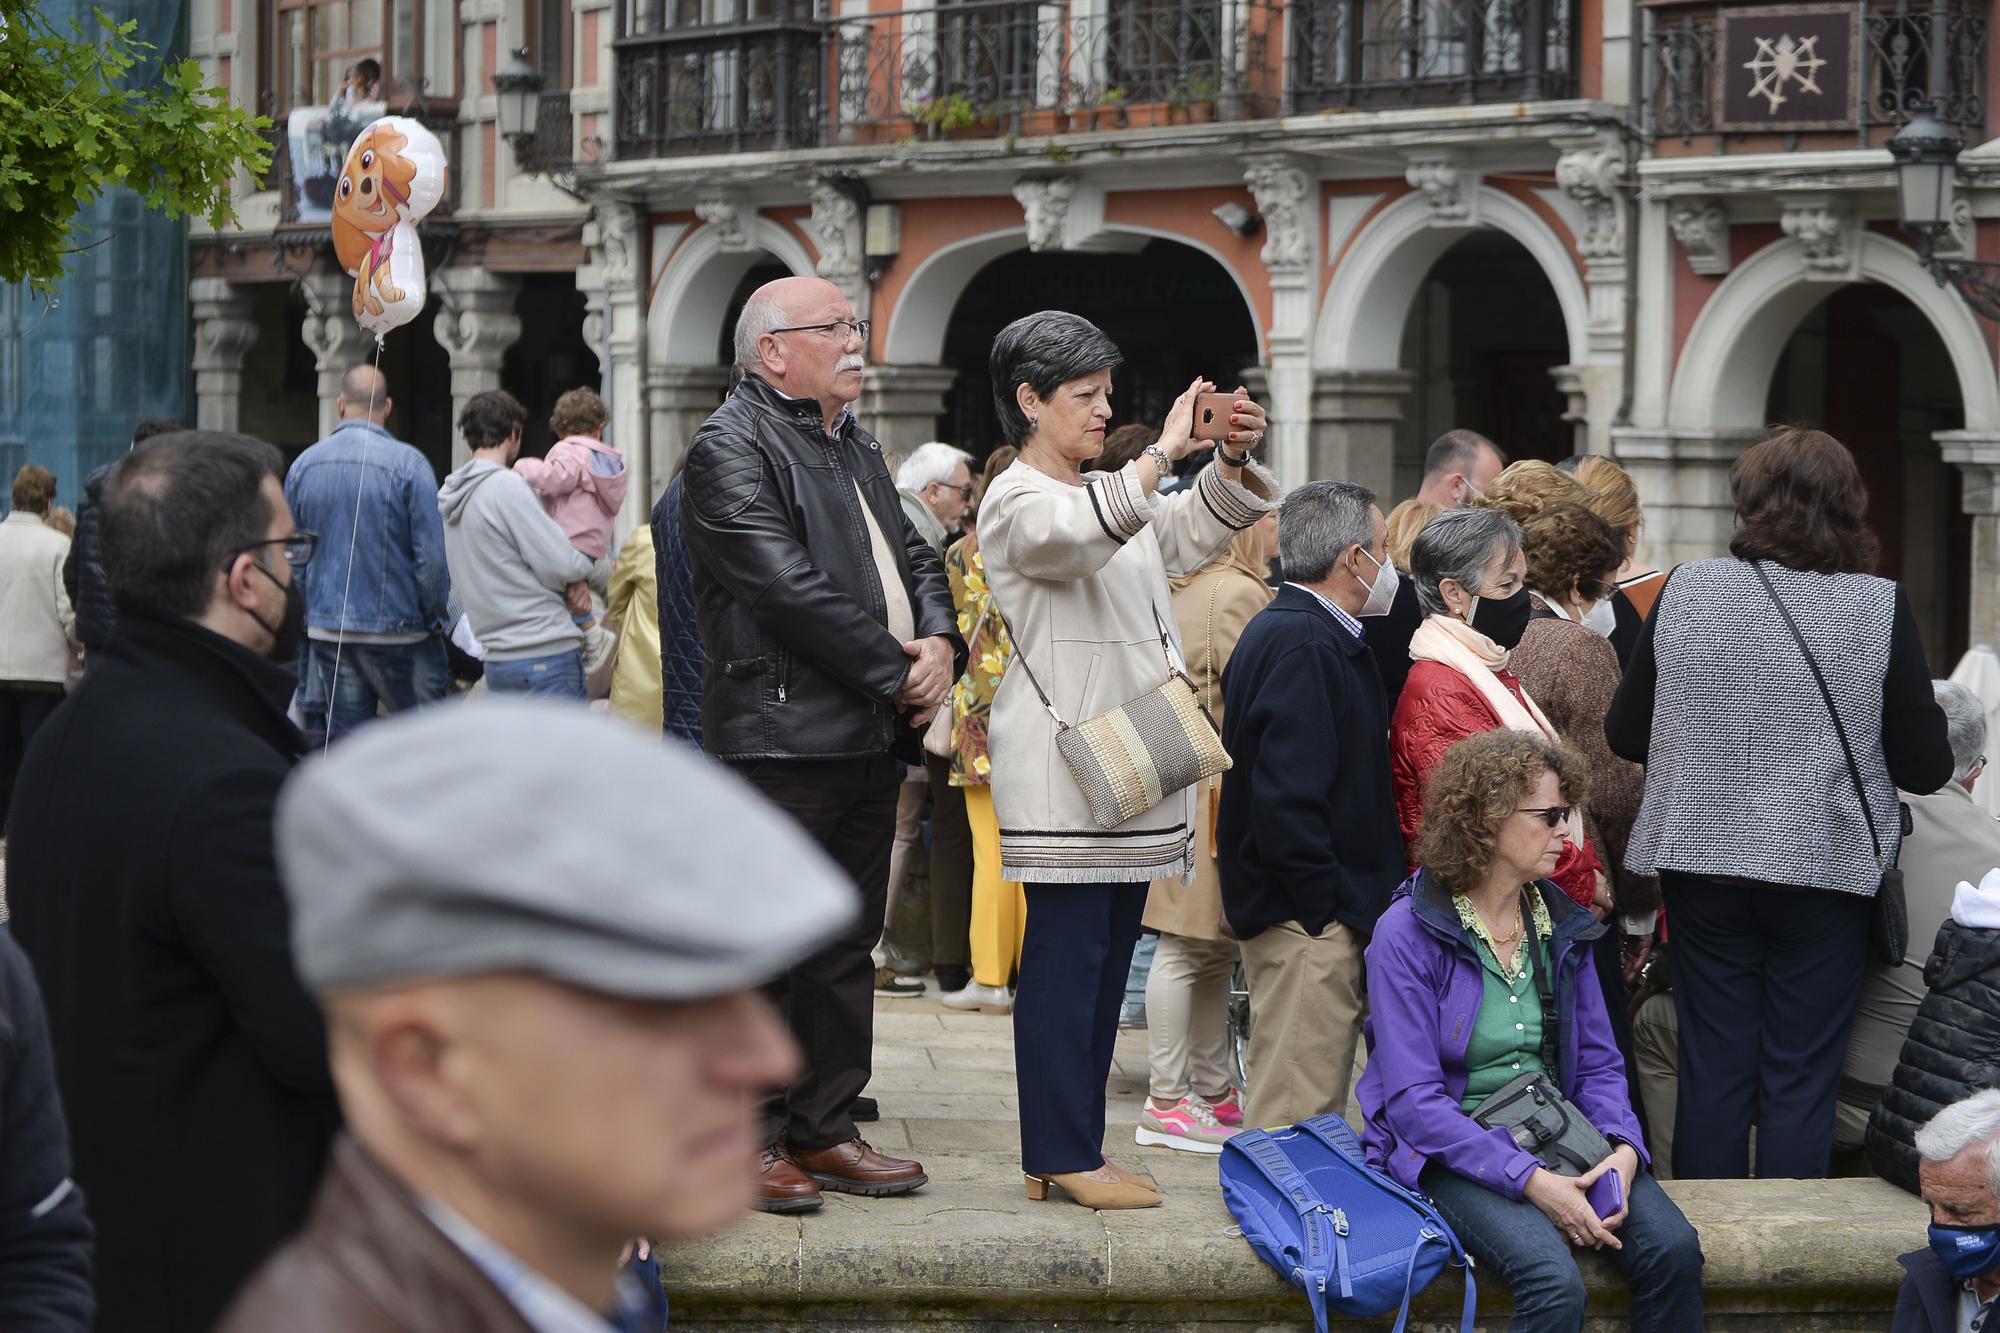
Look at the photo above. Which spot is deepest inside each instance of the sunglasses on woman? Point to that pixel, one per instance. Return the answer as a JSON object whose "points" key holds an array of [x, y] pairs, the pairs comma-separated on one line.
{"points": [[1555, 816]]}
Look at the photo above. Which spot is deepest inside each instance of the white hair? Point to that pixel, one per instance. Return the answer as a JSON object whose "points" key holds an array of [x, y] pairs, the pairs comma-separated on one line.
{"points": [[1970, 1123], [761, 314], [1965, 724], [931, 462]]}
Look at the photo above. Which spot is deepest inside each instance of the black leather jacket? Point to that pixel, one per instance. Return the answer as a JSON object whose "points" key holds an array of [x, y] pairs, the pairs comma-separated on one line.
{"points": [[790, 608], [83, 571], [1953, 1049]]}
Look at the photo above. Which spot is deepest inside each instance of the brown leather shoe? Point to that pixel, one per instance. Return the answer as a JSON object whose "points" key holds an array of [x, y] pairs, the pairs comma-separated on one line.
{"points": [[855, 1168], [783, 1188]]}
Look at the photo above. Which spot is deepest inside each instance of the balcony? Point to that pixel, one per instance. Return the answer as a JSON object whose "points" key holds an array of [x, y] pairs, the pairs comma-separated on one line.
{"points": [[1379, 54], [1760, 78], [778, 78]]}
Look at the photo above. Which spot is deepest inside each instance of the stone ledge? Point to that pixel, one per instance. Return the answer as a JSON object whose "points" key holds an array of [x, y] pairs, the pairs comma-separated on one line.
{"points": [[971, 1252]]}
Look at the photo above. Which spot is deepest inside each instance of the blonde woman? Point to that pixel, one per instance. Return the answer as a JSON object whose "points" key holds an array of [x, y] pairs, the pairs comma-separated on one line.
{"points": [[1615, 499], [1193, 1105], [1405, 521]]}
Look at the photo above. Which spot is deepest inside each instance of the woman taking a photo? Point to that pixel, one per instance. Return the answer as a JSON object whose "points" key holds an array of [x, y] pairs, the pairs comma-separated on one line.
{"points": [[1079, 567], [1767, 864], [1470, 575], [1456, 1012]]}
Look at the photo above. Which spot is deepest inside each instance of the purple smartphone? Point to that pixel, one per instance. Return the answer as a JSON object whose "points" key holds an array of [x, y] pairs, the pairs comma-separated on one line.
{"points": [[1607, 1195]]}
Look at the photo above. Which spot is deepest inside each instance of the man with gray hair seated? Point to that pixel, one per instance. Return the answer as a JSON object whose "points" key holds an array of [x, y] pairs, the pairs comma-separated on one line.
{"points": [[1951, 1286]]}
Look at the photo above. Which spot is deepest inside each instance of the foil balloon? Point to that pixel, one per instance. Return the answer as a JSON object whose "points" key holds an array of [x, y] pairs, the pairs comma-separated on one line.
{"points": [[393, 177]]}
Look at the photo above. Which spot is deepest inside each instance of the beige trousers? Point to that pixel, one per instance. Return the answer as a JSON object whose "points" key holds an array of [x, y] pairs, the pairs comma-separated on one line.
{"points": [[1305, 1021], [1656, 1052], [1187, 1011]]}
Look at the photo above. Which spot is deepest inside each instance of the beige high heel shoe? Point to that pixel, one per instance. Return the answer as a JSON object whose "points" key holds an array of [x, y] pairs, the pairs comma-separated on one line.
{"points": [[1107, 1195]]}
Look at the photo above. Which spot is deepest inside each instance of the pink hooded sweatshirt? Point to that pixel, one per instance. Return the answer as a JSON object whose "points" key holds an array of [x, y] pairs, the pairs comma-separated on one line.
{"points": [[582, 485]]}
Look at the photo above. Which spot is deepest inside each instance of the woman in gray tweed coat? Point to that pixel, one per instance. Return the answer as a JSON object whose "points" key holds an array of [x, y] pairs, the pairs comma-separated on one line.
{"points": [[1079, 565]]}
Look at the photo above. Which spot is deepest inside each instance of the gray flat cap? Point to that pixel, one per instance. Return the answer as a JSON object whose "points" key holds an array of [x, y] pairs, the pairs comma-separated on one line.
{"points": [[514, 835]]}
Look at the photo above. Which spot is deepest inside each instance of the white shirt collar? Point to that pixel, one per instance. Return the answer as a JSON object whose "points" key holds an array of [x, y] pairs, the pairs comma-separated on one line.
{"points": [[543, 1305]]}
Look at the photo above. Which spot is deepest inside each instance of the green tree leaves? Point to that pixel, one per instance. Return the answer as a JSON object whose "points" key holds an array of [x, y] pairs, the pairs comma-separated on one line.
{"points": [[81, 111]]}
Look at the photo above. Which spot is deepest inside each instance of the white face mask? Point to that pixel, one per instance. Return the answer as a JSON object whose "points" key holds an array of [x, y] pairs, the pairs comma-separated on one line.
{"points": [[1602, 617], [1382, 592]]}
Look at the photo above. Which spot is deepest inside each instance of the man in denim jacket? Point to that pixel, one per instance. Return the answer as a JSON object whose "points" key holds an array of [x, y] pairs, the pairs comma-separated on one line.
{"points": [[375, 594]]}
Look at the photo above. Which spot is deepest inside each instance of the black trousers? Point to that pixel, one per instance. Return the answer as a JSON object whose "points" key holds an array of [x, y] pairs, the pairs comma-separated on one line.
{"points": [[1073, 966], [848, 806], [1765, 986], [23, 709], [951, 869]]}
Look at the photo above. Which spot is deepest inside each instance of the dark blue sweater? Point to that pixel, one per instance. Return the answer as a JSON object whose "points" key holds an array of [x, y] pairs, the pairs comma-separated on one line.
{"points": [[1307, 827]]}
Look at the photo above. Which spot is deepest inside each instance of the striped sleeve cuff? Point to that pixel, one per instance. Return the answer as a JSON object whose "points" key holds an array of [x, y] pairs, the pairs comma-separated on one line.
{"points": [[1120, 503], [1236, 507]]}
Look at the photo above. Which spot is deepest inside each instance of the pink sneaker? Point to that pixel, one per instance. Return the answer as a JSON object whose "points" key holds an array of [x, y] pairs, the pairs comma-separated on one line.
{"points": [[1189, 1127], [1228, 1109]]}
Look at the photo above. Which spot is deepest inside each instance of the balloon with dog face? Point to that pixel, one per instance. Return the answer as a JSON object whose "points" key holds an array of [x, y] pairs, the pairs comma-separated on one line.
{"points": [[394, 176]]}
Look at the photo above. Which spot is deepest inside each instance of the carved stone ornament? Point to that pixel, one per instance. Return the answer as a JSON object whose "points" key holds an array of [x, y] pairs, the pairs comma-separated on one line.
{"points": [[1046, 201], [1826, 231], [836, 229], [730, 215], [616, 249], [1592, 177], [1281, 192], [1451, 191], [1957, 242], [1702, 229]]}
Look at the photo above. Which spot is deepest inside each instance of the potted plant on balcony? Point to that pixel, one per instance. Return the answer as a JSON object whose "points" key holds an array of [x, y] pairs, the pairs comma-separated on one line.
{"points": [[1082, 106], [948, 114], [1111, 108], [1200, 100]]}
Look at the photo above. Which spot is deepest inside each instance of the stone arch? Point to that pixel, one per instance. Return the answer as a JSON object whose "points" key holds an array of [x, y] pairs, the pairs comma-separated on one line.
{"points": [[1374, 289], [923, 310], [684, 321], [1724, 377]]}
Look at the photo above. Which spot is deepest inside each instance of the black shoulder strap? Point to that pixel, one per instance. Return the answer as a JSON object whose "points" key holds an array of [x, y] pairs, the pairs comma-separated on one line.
{"points": [[1544, 982], [1853, 769]]}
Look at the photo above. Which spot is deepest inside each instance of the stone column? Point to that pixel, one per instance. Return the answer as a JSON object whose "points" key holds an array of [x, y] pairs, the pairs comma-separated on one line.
{"points": [[1355, 414], [337, 343], [224, 329], [1977, 456], [1683, 481], [1592, 171], [1286, 195], [476, 324], [678, 400], [614, 290], [900, 405]]}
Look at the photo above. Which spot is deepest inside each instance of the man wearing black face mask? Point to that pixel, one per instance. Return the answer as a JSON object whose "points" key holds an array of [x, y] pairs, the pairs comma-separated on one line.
{"points": [[141, 877], [1955, 1283]]}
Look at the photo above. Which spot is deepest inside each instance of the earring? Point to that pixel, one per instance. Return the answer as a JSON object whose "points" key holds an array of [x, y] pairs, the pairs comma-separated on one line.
{"points": [[1034, 423]]}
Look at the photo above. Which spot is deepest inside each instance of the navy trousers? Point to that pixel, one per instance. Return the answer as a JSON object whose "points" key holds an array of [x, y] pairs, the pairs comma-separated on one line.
{"points": [[1765, 986], [1073, 965]]}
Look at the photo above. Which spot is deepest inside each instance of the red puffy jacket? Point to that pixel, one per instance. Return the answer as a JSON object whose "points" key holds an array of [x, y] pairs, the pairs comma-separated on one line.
{"points": [[1439, 708]]}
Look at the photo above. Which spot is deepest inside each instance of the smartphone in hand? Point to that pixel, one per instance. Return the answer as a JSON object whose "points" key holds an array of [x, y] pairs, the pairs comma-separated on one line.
{"points": [[1211, 415], [1607, 1194]]}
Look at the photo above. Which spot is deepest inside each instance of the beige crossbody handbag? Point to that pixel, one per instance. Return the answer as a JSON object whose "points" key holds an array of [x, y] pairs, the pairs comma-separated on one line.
{"points": [[1130, 759]]}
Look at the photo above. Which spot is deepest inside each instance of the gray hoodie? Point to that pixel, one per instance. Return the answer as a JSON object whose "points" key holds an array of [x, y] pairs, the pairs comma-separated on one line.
{"points": [[510, 564]]}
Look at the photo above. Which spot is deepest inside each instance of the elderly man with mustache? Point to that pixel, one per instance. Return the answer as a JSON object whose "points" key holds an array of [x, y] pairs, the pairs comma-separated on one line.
{"points": [[831, 639]]}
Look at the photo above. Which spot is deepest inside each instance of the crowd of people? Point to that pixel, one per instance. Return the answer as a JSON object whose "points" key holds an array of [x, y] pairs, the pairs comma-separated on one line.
{"points": [[1502, 807]]}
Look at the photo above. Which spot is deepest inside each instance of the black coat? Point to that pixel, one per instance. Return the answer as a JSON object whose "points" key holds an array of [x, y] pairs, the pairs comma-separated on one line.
{"points": [[141, 877], [791, 610], [1953, 1049], [44, 1234], [1389, 638], [83, 571], [1306, 829]]}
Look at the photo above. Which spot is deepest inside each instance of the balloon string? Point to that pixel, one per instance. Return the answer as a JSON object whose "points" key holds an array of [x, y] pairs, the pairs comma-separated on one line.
{"points": [[353, 535]]}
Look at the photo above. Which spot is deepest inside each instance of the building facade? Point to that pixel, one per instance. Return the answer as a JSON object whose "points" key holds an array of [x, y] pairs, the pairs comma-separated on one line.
{"points": [[1639, 228]]}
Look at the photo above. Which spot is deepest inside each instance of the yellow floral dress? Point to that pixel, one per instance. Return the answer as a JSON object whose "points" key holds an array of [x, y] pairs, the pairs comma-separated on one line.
{"points": [[988, 651]]}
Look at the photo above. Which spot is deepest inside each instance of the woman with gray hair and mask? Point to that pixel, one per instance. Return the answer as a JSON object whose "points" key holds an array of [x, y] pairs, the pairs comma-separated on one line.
{"points": [[1079, 565], [1471, 580]]}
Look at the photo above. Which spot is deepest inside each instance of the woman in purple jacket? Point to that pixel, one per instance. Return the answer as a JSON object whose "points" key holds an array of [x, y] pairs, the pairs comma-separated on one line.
{"points": [[1455, 1013]]}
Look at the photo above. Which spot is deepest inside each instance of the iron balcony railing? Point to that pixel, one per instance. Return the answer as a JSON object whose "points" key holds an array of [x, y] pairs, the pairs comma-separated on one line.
{"points": [[1908, 53], [1377, 54]]}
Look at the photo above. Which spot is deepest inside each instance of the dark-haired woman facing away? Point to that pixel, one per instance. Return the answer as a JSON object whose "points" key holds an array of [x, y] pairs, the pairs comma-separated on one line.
{"points": [[1750, 817]]}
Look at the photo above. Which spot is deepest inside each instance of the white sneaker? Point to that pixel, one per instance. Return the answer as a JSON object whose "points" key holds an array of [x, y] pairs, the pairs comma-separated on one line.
{"points": [[985, 999]]}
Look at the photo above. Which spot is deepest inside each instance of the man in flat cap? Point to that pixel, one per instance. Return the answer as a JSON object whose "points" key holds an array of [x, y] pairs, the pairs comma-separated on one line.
{"points": [[547, 1034]]}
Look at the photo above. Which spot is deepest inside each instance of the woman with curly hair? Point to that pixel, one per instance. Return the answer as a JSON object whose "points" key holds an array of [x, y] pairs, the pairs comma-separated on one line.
{"points": [[1456, 1013], [1767, 856]]}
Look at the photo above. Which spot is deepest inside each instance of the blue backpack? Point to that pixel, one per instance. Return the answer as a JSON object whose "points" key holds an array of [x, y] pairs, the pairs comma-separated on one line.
{"points": [[1353, 1239]]}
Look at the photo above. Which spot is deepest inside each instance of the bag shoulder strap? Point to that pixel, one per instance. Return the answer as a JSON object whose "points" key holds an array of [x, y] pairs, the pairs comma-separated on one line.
{"points": [[1545, 986], [1315, 1226], [1839, 731], [1021, 654]]}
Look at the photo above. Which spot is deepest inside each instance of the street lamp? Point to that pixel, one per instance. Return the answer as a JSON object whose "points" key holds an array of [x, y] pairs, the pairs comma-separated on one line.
{"points": [[1926, 154], [519, 86]]}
